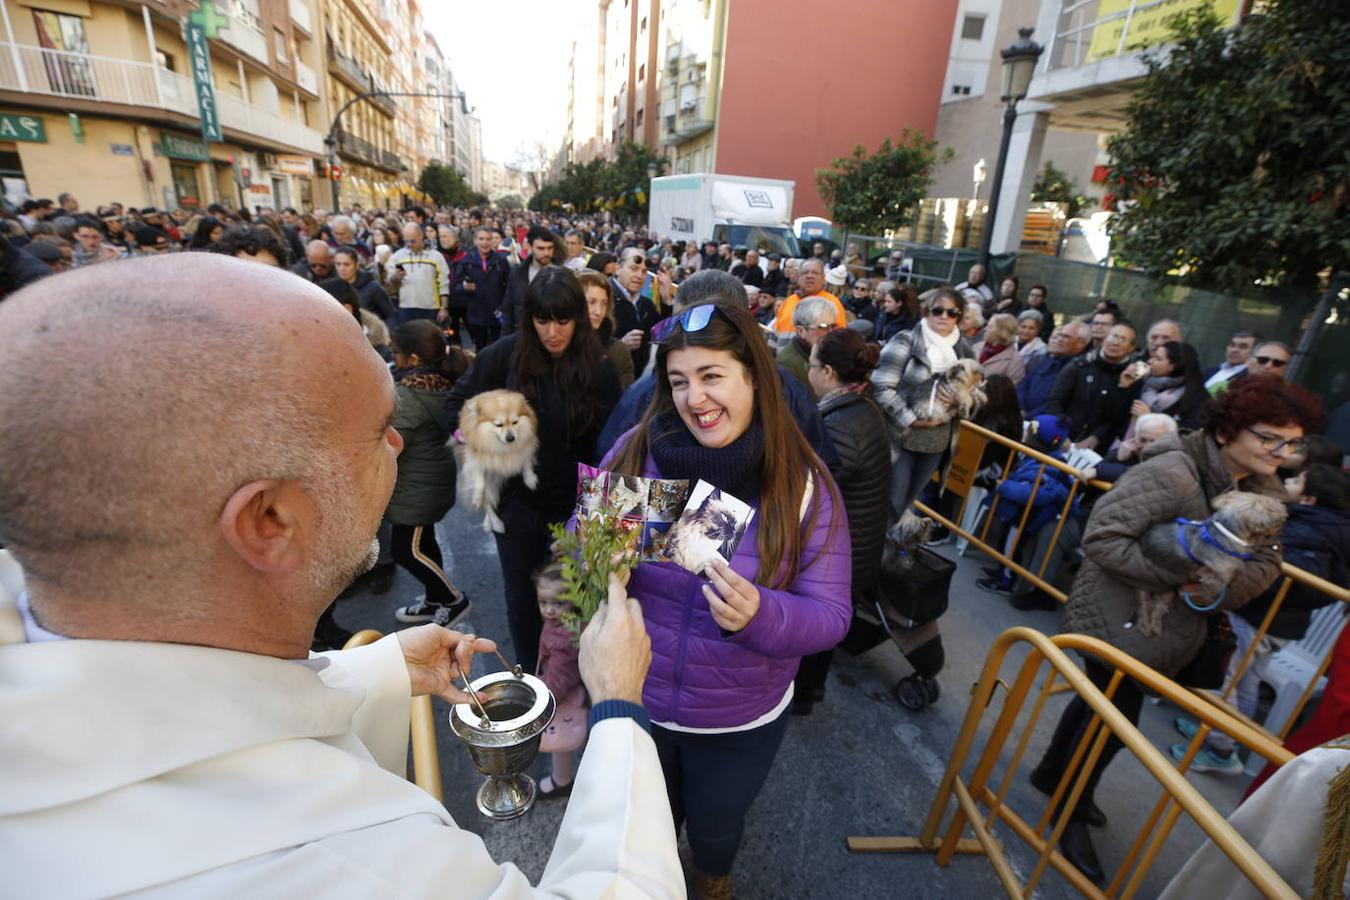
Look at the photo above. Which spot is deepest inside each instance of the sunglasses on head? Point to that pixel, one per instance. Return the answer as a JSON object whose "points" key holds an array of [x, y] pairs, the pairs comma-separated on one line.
{"points": [[1272, 361], [950, 312], [696, 318]]}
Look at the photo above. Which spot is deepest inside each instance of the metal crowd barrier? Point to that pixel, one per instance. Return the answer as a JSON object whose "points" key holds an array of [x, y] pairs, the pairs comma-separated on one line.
{"points": [[426, 758], [971, 444], [984, 790]]}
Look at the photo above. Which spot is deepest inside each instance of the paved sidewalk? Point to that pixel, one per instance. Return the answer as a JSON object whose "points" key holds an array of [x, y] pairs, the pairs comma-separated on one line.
{"points": [[861, 764]]}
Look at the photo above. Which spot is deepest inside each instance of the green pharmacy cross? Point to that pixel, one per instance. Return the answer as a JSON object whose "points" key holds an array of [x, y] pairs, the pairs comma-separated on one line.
{"points": [[209, 18]]}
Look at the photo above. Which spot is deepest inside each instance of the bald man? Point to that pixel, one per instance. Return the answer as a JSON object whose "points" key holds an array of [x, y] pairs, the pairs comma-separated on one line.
{"points": [[420, 276], [181, 520], [810, 283], [317, 264]]}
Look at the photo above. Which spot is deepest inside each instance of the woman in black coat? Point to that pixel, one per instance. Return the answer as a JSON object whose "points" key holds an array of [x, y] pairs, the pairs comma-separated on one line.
{"points": [[347, 266], [555, 359], [840, 372]]}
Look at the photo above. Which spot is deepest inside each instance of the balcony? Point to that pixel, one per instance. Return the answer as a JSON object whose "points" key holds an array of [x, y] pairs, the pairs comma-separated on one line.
{"points": [[692, 120], [245, 33], [352, 147], [306, 77], [83, 76], [347, 69], [300, 17], [386, 105]]}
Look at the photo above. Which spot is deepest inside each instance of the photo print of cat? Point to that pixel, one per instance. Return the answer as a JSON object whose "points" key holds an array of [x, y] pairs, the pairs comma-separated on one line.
{"points": [[712, 525]]}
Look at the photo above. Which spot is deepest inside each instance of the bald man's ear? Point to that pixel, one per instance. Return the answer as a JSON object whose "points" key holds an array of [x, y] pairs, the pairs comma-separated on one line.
{"points": [[266, 522]]}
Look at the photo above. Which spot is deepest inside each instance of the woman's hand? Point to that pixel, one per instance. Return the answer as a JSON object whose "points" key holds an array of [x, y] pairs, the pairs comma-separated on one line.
{"points": [[733, 599], [437, 656], [1139, 408]]}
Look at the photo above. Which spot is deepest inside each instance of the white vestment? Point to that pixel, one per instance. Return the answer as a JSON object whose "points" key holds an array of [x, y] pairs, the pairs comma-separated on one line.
{"points": [[1283, 821], [171, 769]]}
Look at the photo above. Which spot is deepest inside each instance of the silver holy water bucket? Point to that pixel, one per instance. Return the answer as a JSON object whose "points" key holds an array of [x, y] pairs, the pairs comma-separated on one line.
{"points": [[519, 707]]}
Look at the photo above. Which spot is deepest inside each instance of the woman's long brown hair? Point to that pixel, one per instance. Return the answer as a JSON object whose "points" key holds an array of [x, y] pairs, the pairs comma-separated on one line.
{"points": [[783, 482]]}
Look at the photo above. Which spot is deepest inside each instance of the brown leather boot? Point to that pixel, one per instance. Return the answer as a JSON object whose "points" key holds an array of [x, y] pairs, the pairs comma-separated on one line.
{"points": [[706, 887]]}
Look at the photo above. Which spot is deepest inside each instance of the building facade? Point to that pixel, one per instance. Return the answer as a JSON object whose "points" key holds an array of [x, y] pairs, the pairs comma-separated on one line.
{"points": [[99, 97], [748, 88]]}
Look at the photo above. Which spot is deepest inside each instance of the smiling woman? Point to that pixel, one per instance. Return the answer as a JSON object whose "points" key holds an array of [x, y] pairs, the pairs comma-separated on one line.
{"points": [[726, 642]]}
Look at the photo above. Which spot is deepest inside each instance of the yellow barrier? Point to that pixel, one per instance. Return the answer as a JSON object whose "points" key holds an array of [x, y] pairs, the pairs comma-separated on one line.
{"points": [[1178, 794], [961, 477], [426, 757]]}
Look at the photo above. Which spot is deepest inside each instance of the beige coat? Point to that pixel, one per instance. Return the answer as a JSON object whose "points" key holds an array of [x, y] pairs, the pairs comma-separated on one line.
{"points": [[1179, 477]]}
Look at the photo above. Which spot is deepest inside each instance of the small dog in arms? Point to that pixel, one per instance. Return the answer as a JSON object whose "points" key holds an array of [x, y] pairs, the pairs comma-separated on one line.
{"points": [[964, 381], [1217, 546], [498, 439]]}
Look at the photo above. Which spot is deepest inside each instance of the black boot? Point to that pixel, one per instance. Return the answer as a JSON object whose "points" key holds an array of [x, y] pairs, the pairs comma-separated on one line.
{"points": [[1045, 781], [1034, 598], [916, 691], [382, 578], [1076, 845]]}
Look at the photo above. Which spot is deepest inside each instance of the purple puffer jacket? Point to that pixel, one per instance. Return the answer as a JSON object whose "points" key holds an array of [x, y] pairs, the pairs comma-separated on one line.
{"points": [[702, 677]]}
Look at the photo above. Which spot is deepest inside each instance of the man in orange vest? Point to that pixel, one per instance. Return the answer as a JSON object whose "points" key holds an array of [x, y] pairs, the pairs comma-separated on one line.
{"points": [[810, 283]]}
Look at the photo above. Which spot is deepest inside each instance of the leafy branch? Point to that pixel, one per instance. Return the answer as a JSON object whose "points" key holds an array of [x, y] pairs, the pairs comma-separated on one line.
{"points": [[596, 547]]}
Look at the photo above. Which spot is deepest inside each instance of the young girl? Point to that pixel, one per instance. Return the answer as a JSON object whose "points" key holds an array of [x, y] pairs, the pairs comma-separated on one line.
{"points": [[559, 670]]}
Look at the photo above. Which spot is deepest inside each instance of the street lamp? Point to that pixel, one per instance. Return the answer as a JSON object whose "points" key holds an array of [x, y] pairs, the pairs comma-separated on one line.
{"points": [[652, 170], [1019, 63]]}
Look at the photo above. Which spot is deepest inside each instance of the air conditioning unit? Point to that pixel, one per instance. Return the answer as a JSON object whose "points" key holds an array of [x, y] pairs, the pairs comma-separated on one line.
{"points": [[267, 160]]}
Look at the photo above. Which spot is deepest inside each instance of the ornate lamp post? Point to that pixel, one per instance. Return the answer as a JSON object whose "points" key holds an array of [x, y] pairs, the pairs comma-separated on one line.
{"points": [[1019, 63]]}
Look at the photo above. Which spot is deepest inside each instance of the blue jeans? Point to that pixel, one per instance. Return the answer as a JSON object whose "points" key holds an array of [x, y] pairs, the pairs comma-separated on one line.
{"points": [[712, 779], [909, 475], [407, 313]]}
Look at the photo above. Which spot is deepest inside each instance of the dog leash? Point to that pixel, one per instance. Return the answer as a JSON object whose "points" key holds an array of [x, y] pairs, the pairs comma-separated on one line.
{"points": [[1208, 537]]}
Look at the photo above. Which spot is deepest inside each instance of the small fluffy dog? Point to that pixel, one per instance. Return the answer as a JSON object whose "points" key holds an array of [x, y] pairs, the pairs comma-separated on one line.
{"points": [[694, 541], [903, 539], [1241, 522], [965, 381], [500, 435]]}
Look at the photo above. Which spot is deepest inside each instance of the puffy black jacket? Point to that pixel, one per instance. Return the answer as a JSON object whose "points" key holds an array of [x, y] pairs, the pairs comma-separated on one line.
{"points": [[372, 296], [1088, 391], [857, 428], [1316, 539], [514, 304]]}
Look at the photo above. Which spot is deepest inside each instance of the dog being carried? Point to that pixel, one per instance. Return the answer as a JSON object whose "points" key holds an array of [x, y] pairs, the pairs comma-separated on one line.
{"points": [[959, 391], [1216, 546], [498, 439]]}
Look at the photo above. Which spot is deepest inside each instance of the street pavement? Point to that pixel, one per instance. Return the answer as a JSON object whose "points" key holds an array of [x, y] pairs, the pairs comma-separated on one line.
{"points": [[859, 765]]}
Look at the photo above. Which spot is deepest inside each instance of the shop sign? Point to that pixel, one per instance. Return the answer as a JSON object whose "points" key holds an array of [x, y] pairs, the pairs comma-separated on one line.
{"points": [[199, 58], [122, 150], [176, 146], [294, 165], [259, 189], [22, 128]]}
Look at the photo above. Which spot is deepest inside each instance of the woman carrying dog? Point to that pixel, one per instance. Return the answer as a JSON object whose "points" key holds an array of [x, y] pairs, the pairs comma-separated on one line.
{"points": [[1249, 432], [908, 360], [726, 641], [556, 361]]}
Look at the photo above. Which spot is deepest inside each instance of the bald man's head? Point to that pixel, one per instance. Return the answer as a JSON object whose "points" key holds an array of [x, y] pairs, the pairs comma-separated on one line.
{"points": [[320, 258], [139, 395]]}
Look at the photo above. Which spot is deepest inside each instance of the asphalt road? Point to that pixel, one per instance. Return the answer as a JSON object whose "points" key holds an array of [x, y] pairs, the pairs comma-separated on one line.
{"points": [[860, 765]]}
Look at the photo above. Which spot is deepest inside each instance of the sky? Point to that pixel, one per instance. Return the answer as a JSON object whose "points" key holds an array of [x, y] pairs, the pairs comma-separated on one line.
{"points": [[512, 66]]}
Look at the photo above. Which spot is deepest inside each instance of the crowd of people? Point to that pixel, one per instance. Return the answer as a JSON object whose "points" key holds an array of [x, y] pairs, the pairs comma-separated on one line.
{"points": [[814, 388]]}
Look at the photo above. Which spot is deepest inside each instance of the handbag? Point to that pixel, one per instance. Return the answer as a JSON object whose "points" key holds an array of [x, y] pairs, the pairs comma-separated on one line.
{"points": [[1206, 671]]}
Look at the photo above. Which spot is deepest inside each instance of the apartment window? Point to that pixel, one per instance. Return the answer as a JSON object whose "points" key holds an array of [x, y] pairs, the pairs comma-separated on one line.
{"points": [[639, 117], [972, 28], [279, 43], [65, 75], [961, 89], [642, 28], [642, 72], [166, 61]]}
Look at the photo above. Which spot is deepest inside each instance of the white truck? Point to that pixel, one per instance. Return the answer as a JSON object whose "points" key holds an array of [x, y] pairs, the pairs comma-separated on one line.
{"points": [[755, 213]]}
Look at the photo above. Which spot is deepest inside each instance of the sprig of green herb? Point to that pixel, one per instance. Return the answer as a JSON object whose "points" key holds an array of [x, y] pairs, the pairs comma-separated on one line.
{"points": [[596, 547]]}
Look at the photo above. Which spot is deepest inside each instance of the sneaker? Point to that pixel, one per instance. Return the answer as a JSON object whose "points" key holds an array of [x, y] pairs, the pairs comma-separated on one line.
{"points": [[916, 692], [1186, 727], [994, 586], [450, 616], [1208, 761], [995, 572], [417, 612]]}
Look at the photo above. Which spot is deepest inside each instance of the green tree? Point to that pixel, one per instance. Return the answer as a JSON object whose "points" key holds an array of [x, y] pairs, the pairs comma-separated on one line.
{"points": [[1057, 187], [447, 187], [1235, 159], [871, 194], [511, 201], [619, 185]]}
